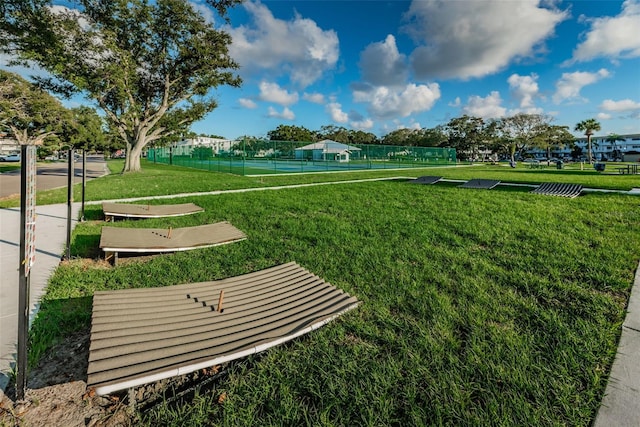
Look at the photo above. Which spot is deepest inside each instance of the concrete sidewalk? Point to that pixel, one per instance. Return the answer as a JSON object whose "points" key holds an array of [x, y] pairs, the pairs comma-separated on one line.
{"points": [[620, 406], [51, 237]]}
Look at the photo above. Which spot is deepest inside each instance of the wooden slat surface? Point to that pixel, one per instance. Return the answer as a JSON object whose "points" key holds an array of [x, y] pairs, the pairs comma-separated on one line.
{"points": [[141, 335], [148, 211], [483, 184], [119, 239], [558, 189], [426, 180]]}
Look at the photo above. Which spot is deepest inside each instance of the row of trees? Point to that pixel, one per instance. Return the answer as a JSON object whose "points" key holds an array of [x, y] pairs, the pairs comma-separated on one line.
{"points": [[32, 116], [510, 136]]}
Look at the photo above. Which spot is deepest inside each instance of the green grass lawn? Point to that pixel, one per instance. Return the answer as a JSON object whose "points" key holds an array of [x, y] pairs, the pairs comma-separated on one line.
{"points": [[478, 307], [8, 168], [160, 180]]}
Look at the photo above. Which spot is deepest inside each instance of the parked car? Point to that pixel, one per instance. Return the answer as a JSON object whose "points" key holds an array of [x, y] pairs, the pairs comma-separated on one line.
{"points": [[10, 158]]}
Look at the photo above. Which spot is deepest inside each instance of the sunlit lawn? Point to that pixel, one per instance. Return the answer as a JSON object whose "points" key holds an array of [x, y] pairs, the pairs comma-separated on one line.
{"points": [[162, 180], [9, 167], [479, 307]]}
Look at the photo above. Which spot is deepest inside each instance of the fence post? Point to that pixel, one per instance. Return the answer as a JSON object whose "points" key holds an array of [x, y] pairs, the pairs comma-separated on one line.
{"points": [[69, 201], [84, 179]]}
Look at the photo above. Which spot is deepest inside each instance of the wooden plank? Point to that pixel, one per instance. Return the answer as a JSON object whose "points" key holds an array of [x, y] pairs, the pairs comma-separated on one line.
{"points": [[180, 331]]}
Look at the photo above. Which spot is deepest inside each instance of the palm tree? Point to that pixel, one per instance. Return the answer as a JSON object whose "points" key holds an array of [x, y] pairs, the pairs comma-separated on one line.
{"points": [[613, 138], [588, 127]]}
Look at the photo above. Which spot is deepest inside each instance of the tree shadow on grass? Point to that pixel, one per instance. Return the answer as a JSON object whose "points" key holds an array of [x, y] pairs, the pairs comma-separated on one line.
{"points": [[86, 246]]}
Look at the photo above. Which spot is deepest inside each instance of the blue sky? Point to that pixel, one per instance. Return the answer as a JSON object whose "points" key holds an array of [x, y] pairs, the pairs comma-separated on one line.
{"points": [[379, 65], [382, 65]]}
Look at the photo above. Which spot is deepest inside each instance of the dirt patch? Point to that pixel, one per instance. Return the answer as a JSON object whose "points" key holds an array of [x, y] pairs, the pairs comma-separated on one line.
{"points": [[57, 393]]}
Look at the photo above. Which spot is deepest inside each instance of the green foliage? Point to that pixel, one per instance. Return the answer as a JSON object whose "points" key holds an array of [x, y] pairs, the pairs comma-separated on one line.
{"points": [[588, 126], [467, 135], [415, 137], [522, 131], [149, 65], [612, 139], [291, 133], [28, 113], [334, 133], [552, 137], [87, 132]]}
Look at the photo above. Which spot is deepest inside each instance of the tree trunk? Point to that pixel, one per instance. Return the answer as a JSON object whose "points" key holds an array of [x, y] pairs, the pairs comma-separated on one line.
{"points": [[589, 149], [132, 160]]}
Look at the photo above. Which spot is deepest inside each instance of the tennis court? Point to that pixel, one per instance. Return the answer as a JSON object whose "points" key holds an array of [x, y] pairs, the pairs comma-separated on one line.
{"points": [[301, 160]]}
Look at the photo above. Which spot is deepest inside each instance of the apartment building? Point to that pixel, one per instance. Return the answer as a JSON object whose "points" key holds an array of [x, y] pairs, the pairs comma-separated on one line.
{"points": [[186, 146]]}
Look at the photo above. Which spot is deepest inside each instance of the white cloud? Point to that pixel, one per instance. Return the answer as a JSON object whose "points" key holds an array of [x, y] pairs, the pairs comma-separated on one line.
{"points": [[412, 125], [622, 105], [386, 102], [205, 10], [335, 112], [316, 98], [612, 37], [272, 92], [570, 84], [382, 65], [286, 114], [247, 103], [487, 108], [456, 102], [524, 89], [297, 48], [465, 39], [603, 116], [355, 119], [364, 124]]}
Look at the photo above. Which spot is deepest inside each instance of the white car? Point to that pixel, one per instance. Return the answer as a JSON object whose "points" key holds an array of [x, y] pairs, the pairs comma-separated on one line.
{"points": [[10, 158]]}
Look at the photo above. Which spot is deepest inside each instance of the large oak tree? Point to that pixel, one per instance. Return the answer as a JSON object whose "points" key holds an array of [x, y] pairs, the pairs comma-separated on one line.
{"points": [[520, 132], [27, 113], [150, 65]]}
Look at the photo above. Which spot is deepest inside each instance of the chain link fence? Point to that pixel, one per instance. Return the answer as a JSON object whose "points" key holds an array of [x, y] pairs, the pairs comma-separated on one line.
{"points": [[262, 157]]}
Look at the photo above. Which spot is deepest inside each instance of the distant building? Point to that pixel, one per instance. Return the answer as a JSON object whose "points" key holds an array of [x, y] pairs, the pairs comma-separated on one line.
{"points": [[327, 150], [627, 150], [186, 146], [8, 145]]}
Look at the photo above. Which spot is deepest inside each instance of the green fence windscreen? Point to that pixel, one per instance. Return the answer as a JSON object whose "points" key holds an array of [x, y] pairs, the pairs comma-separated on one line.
{"points": [[271, 157]]}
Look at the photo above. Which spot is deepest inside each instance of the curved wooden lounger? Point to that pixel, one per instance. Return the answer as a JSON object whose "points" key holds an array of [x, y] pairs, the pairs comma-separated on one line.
{"points": [[426, 180], [143, 335], [558, 189], [125, 210], [115, 240], [483, 184]]}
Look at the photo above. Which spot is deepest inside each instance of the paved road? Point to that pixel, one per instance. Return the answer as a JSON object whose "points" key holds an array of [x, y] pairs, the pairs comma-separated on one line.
{"points": [[52, 175]]}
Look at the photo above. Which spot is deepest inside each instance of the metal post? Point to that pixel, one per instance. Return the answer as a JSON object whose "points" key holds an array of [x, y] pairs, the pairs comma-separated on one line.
{"points": [[69, 201], [23, 284], [84, 179]]}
